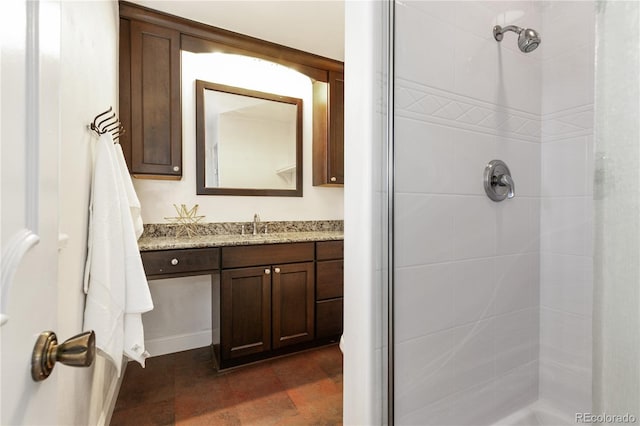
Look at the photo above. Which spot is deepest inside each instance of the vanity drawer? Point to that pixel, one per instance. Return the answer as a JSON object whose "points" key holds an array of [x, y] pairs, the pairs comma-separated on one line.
{"points": [[328, 318], [329, 279], [326, 250], [165, 262], [268, 254]]}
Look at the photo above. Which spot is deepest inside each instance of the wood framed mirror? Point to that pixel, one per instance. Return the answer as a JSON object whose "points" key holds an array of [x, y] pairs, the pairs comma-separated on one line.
{"points": [[247, 142]]}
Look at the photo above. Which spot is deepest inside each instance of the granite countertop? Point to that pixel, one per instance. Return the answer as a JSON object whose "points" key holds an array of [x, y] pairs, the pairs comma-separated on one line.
{"points": [[166, 243], [165, 237]]}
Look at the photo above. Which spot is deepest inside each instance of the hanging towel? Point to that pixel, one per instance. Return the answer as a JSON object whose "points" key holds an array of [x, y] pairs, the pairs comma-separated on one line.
{"points": [[132, 197], [115, 283]]}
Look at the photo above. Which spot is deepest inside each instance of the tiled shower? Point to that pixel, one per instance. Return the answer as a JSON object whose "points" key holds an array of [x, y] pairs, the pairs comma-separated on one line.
{"points": [[492, 300]]}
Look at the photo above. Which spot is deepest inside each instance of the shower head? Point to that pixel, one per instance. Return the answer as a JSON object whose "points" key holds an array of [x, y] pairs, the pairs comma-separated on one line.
{"points": [[528, 39]]}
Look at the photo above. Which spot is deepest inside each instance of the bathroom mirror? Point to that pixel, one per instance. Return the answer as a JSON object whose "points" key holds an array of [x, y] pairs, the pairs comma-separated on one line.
{"points": [[247, 142]]}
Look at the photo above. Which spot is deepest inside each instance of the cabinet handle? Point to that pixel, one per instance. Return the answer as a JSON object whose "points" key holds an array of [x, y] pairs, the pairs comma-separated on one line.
{"points": [[267, 271], [174, 261], [176, 168], [333, 179], [276, 270]]}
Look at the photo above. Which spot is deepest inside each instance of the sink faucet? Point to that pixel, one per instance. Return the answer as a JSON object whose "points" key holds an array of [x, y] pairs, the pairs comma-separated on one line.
{"points": [[256, 221]]}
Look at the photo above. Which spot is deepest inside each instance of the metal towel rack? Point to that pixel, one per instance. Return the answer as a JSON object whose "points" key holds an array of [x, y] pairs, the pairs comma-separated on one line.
{"points": [[109, 124]]}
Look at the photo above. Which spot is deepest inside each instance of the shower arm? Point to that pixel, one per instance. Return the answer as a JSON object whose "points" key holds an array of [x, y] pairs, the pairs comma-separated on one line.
{"points": [[498, 31]]}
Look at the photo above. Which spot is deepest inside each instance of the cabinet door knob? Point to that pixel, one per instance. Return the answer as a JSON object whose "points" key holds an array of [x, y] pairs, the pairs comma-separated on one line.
{"points": [[267, 271], [276, 270], [174, 261], [176, 168], [333, 179]]}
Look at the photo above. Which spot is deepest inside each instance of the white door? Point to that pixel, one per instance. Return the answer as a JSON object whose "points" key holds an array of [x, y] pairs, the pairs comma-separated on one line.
{"points": [[29, 131]]}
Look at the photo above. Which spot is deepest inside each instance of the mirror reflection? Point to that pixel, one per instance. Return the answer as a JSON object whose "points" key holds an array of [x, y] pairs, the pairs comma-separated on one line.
{"points": [[249, 142]]}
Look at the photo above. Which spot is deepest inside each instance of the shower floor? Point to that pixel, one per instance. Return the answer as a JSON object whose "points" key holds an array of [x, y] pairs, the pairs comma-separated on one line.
{"points": [[183, 388], [536, 414]]}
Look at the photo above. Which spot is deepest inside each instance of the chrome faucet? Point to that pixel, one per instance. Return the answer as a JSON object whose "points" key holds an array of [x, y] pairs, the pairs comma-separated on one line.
{"points": [[256, 221]]}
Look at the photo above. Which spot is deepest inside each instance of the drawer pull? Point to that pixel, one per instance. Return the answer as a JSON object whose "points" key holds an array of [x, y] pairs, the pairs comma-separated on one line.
{"points": [[174, 261], [267, 271], [333, 179], [277, 270]]}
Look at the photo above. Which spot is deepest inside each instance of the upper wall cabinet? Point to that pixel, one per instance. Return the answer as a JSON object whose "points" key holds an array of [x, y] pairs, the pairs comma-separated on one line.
{"points": [[150, 98], [150, 90], [328, 131]]}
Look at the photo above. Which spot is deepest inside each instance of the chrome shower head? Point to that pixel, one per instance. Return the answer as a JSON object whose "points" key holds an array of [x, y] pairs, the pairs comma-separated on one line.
{"points": [[528, 39]]}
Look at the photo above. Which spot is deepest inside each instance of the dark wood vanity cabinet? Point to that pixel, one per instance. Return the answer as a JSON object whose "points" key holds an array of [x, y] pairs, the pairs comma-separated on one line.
{"points": [[266, 307], [329, 289], [292, 304], [269, 306], [245, 303], [150, 105], [273, 298], [181, 262]]}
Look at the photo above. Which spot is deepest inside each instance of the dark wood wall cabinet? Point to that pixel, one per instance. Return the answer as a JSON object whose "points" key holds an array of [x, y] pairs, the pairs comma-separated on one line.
{"points": [[150, 98], [150, 90], [274, 299], [328, 131]]}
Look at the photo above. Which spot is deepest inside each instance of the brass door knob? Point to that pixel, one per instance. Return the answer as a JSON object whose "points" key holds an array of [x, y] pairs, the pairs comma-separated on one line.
{"points": [[77, 351]]}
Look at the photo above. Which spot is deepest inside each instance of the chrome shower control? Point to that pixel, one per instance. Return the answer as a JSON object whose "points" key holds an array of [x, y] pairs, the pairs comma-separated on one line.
{"points": [[498, 183]]}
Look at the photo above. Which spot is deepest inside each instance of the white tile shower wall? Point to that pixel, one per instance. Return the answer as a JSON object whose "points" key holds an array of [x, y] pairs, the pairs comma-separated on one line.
{"points": [[467, 269], [566, 277]]}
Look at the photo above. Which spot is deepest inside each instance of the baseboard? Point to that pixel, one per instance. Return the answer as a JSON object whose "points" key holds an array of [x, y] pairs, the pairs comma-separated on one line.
{"points": [[178, 343], [104, 395], [112, 398]]}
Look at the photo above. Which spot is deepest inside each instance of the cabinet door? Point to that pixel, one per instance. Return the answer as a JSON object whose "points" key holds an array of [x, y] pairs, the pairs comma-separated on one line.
{"points": [[329, 318], [293, 304], [156, 118], [328, 131], [329, 279], [246, 311], [335, 154]]}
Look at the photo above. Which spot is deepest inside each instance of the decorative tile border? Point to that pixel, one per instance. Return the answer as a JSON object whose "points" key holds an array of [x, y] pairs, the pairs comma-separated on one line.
{"points": [[437, 106], [235, 228], [440, 107], [570, 123]]}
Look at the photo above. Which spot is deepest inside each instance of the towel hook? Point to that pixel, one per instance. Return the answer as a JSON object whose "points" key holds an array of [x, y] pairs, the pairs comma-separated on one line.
{"points": [[94, 126], [109, 124], [106, 120]]}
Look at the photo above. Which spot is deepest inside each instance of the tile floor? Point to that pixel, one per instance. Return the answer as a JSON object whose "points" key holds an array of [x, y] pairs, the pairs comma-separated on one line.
{"points": [[184, 389]]}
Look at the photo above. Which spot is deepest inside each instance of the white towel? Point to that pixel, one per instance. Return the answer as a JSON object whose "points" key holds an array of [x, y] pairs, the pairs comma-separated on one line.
{"points": [[132, 197], [115, 283]]}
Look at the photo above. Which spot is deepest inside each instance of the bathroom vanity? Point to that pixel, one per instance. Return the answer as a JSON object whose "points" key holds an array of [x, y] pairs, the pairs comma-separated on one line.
{"points": [[277, 293]]}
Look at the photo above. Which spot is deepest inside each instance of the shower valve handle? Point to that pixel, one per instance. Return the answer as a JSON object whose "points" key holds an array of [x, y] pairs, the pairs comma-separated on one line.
{"points": [[498, 183], [505, 180]]}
